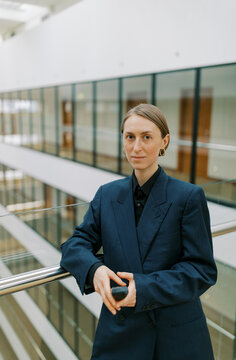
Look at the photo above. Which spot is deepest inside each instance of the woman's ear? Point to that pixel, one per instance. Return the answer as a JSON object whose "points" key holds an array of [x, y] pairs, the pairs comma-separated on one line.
{"points": [[165, 141]]}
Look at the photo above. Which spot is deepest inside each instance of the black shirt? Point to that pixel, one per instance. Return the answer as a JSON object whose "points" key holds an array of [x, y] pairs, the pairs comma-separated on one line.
{"points": [[141, 193], [140, 196]]}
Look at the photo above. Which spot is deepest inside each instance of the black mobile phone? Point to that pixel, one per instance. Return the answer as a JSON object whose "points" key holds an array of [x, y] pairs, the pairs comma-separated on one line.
{"points": [[119, 292]]}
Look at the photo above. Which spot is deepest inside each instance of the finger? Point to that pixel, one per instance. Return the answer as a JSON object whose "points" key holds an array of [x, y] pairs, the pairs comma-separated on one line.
{"points": [[116, 278], [108, 304], [107, 292], [127, 302], [130, 299], [125, 275]]}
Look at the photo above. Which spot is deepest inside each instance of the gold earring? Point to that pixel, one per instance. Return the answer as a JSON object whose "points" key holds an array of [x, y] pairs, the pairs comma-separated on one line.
{"points": [[162, 152]]}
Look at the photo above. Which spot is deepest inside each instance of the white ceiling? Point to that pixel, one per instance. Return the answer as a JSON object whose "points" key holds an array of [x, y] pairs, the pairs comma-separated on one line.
{"points": [[19, 15]]}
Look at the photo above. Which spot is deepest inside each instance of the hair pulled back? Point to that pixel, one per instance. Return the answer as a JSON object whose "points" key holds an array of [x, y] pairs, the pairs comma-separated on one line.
{"points": [[152, 113]]}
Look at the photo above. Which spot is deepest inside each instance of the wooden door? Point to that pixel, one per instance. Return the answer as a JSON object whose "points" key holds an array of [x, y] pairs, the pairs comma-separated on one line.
{"points": [[67, 118], [185, 131], [48, 196], [204, 124]]}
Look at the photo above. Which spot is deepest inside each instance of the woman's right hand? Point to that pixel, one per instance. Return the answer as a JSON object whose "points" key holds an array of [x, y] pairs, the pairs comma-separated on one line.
{"points": [[101, 282]]}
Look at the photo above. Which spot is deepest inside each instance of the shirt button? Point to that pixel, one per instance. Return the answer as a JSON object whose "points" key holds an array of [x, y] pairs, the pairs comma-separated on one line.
{"points": [[138, 204]]}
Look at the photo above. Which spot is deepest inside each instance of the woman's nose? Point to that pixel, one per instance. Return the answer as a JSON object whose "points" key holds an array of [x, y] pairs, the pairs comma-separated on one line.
{"points": [[137, 145]]}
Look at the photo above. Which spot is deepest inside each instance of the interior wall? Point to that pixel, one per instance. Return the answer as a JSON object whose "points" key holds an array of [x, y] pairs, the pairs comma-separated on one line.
{"points": [[103, 39]]}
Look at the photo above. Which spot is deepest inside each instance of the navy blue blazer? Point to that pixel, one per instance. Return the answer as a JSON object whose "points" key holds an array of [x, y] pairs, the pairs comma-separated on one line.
{"points": [[169, 253]]}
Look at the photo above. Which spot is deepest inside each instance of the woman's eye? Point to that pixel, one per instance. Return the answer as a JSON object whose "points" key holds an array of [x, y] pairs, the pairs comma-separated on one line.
{"points": [[129, 137], [146, 137]]}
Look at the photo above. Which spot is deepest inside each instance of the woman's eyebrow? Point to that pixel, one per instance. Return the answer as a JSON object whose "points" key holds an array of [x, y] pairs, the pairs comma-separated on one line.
{"points": [[143, 132]]}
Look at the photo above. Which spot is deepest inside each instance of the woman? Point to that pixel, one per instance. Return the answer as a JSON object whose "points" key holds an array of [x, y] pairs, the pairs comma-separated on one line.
{"points": [[155, 233]]}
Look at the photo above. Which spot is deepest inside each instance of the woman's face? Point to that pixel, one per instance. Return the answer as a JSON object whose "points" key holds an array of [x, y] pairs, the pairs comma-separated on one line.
{"points": [[142, 142]]}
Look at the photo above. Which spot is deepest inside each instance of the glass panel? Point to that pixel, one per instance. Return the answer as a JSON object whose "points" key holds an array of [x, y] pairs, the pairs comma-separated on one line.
{"points": [[221, 192], [67, 214], [68, 317], [66, 136], [16, 118], [13, 201], [219, 307], [175, 98], [80, 210], [7, 124], [25, 110], [85, 331], [136, 90], [26, 197], [107, 131], [53, 217], [36, 109], [50, 121], [18, 323], [39, 200], [1, 118], [216, 153], [72, 320], [84, 123], [2, 181]]}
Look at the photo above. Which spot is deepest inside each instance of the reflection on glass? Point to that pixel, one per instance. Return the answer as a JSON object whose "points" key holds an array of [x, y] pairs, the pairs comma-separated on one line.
{"points": [[36, 114], [66, 136], [221, 192], [25, 119], [17, 112], [39, 203], [88, 121], [136, 90], [22, 194], [84, 123], [50, 121], [1, 118], [107, 129], [73, 321], [67, 215], [219, 307], [6, 117], [175, 98], [216, 153]]}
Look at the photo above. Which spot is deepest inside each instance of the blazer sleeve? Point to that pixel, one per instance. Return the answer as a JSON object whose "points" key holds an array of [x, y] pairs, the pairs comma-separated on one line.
{"points": [[195, 271], [78, 252]]}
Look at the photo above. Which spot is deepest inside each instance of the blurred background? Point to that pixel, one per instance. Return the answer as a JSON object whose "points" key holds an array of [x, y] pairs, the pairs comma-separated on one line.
{"points": [[69, 71]]}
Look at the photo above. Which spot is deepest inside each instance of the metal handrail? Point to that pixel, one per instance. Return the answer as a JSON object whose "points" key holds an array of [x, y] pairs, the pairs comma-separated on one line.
{"points": [[23, 281], [12, 284], [224, 228]]}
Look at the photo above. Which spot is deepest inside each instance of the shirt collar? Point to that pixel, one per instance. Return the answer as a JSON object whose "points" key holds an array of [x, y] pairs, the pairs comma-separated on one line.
{"points": [[147, 186]]}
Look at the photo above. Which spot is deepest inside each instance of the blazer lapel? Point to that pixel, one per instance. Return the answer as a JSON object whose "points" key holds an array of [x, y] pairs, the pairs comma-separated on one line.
{"points": [[125, 221], [153, 214]]}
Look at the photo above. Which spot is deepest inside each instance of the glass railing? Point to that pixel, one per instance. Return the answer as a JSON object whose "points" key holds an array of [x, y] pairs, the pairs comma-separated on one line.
{"points": [[221, 192], [60, 307], [30, 240], [219, 307]]}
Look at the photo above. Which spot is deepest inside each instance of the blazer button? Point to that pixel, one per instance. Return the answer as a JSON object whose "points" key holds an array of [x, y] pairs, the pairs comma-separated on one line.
{"points": [[121, 317]]}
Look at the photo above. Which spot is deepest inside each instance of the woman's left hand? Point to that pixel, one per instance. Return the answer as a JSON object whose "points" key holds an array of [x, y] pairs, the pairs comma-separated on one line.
{"points": [[130, 299]]}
